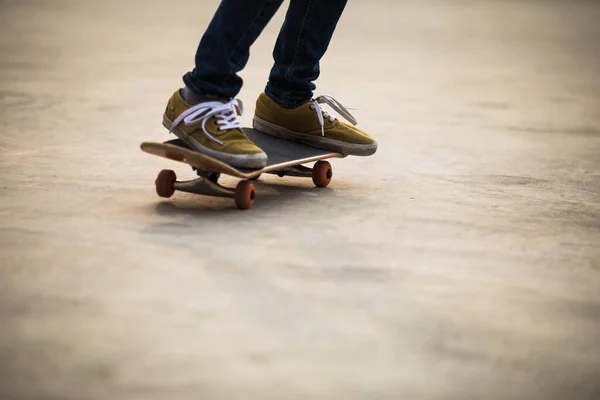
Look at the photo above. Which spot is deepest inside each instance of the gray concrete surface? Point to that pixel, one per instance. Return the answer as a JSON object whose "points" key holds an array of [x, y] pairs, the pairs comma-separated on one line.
{"points": [[460, 262]]}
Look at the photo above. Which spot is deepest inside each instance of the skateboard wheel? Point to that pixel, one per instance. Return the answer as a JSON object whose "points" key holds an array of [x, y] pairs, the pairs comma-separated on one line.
{"points": [[322, 173], [244, 195], [164, 183]]}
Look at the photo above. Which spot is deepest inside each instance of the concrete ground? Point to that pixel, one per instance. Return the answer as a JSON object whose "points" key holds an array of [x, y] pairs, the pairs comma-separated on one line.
{"points": [[461, 261]]}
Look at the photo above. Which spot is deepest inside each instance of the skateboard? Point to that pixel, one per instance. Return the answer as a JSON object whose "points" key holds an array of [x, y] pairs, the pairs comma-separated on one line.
{"points": [[285, 158]]}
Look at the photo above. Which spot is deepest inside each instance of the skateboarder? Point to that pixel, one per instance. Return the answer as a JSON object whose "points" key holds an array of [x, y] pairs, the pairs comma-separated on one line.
{"points": [[204, 112]]}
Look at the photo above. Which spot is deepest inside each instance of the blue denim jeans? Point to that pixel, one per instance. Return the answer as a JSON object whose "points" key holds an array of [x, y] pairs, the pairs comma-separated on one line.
{"points": [[225, 48]]}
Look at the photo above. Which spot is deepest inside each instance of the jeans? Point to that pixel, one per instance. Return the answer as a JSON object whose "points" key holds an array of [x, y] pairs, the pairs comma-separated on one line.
{"points": [[225, 48]]}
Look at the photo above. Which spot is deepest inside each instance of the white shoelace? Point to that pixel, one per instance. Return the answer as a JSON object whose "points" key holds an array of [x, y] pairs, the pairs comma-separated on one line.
{"points": [[226, 114], [336, 105]]}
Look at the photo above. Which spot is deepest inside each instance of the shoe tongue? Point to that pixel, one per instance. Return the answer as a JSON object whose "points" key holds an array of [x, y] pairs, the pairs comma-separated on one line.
{"points": [[323, 112]]}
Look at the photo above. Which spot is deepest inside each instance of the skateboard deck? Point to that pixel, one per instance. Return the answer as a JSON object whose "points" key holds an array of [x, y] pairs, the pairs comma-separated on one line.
{"points": [[281, 154], [285, 157]]}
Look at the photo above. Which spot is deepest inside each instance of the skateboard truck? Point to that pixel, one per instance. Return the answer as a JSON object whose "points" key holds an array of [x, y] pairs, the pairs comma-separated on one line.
{"points": [[244, 193]]}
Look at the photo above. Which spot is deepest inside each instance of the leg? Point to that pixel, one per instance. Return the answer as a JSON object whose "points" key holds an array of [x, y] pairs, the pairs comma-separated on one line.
{"points": [[302, 42], [204, 113], [285, 109], [225, 47]]}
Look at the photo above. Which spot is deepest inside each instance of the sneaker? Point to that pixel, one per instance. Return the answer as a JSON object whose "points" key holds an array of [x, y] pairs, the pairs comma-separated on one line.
{"points": [[212, 128], [311, 125]]}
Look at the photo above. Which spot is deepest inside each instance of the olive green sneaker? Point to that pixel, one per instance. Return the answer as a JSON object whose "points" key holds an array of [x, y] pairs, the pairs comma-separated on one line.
{"points": [[212, 128], [311, 125]]}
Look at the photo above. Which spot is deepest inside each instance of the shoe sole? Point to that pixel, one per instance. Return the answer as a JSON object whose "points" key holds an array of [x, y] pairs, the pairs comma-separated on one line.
{"points": [[320, 142], [251, 161]]}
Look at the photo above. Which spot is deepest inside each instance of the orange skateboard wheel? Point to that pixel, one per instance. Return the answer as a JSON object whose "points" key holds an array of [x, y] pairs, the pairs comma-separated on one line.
{"points": [[165, 183], [244, 195], [322, 173]]}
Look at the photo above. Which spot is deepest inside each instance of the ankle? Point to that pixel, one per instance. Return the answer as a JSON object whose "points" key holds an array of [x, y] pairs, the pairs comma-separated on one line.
{"points": [[193, 98], [288, 104]]}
